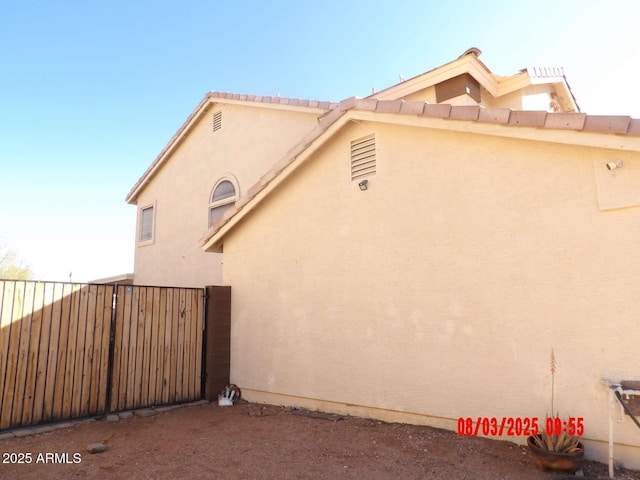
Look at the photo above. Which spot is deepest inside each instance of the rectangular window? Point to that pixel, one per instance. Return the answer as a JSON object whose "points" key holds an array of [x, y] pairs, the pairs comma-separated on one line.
{"points": [[146, 224]]}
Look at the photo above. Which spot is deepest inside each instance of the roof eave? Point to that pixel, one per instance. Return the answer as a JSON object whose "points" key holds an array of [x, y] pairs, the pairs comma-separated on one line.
{"points": [[610, 132], [465, 64]]}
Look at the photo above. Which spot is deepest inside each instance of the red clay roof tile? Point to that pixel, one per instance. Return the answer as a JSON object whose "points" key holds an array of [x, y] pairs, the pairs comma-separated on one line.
{"points": [[388, 106], [494, 115], [634, 128], [607, 123], [368, 104], [464, 112], [527, 118], [437, 110], [568, 120], [412, 108]]}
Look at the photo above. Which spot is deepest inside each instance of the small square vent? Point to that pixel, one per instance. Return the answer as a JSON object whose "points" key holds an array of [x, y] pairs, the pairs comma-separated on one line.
{"points": [[217, 121], [363, 157]]}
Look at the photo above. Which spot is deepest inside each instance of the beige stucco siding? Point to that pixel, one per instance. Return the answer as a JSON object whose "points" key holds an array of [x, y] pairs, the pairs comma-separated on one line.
{"points": [[250, 141], [440, 290]]}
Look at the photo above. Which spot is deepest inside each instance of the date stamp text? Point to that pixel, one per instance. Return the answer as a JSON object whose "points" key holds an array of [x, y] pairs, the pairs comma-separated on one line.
{"points": [[519, 426]]}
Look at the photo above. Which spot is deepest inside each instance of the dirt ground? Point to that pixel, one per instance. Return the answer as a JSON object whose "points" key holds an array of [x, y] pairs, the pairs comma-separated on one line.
{"points": [[250, 441]]}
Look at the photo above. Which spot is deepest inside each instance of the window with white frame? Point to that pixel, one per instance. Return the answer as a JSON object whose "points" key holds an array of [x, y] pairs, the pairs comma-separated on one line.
{"points": [[223, 197], [145, 228]]}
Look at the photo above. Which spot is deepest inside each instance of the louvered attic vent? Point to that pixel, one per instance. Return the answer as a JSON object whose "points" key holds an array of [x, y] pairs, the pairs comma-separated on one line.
{"points": [[363, 157], [217, 121]]}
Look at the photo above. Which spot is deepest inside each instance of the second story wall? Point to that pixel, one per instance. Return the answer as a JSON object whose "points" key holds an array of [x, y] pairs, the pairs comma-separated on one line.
{"points": [[244, 143]]}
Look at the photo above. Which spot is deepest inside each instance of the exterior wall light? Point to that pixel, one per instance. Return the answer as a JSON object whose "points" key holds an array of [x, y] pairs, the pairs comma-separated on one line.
{"points": [[364, 184], [614, 165]]}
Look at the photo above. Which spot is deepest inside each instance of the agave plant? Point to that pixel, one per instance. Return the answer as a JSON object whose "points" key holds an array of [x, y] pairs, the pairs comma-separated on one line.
{"points": [[563, 443]]}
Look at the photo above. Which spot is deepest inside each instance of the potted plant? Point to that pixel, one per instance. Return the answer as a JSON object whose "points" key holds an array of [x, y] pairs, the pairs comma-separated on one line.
{"points": [[558, 447]]}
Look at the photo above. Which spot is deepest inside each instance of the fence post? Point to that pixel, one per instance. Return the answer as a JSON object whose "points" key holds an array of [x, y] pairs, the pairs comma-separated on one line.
{"points": [[112, 337], [217, 346]]}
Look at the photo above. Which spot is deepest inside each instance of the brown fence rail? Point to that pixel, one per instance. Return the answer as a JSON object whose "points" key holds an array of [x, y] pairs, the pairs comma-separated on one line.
{"points": [[76, 350]]}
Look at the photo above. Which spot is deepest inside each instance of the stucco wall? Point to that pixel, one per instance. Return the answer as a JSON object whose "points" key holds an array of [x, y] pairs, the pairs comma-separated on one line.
{"points": [[250, 141], [440, 291]]}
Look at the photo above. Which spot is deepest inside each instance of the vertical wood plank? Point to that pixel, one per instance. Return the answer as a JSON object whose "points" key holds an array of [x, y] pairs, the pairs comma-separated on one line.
{"points": [[88, 348], [133, 336], [118, 378], [43, 352], [63, 353], [153, 351], [139, 347], [31, 374], [199, 342], [160, 383], [23, 354], [146, 356], [52, 373], [180, 359], [102, 345], [78, 370], [125, 371], [96, 351], [188, 371], [72, 338], [15, 317], [6, 318], [173, 322]]}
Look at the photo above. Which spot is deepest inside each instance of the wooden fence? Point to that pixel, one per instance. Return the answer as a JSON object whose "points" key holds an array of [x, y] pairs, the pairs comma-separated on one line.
{"points": [[76, 350], [157, 354]]}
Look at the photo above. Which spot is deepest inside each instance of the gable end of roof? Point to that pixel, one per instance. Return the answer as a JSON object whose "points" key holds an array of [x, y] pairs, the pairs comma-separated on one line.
{"points": [[209, 99]]}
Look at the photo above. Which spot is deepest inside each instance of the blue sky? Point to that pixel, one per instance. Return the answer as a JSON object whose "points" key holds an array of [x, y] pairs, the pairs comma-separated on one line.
{"points": [[91, 91]]}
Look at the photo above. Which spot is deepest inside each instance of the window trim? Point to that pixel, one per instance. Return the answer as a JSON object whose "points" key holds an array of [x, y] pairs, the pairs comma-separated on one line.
{"points": [[224, 201], [151, 240]]}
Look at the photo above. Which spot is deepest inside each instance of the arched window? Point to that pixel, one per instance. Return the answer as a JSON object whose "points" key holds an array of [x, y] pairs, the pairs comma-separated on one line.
{"points": [[223, 197]]}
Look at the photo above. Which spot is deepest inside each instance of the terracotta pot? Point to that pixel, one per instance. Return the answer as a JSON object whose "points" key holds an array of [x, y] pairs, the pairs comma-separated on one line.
{"points": [[546, 460]]}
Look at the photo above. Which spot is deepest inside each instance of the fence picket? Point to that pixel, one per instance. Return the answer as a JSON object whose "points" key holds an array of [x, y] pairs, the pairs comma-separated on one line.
{"points": [[24, 327], [166, 361], [35, 307], [85, 350], [8, 289], [53, 353], [43, 352]]}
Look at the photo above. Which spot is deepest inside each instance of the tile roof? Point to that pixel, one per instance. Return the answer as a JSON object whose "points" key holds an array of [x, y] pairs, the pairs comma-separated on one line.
{"points": [[298, 102], [617, 124], [580, 122]]}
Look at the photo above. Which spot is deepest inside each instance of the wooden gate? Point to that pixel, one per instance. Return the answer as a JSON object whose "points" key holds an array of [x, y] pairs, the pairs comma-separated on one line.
{"points": [[157, 353], [76, 350]]}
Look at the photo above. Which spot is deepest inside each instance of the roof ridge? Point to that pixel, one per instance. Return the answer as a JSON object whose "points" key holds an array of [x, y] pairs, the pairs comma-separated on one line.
{"points": [[277, 99]]}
